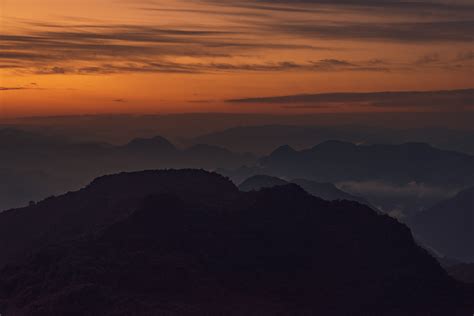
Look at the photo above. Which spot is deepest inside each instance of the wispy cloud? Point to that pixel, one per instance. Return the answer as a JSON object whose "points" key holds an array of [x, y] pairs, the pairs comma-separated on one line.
{"points": [[235, 44], [446, 99], [12, 88], [128, 48], [434, 31]]}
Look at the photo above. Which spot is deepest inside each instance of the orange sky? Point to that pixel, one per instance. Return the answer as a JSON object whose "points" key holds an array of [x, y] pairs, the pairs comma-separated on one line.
{"points": [[110, 56]]}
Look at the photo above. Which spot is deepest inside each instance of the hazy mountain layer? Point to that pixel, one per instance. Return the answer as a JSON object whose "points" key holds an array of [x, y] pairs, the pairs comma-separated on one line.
{"points": [[34, 166], [448, 227]]}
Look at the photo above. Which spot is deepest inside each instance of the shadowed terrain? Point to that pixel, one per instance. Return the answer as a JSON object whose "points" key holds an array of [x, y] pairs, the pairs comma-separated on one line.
{"points": [[463, 272], [189, 242], [325, 191]]}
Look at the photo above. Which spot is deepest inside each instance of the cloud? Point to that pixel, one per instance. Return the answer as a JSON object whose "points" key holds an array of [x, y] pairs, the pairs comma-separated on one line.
{"points": [[131, 48], [208, 12], [144, 66], [398, 99], [29, 86], [398, 20], [382, 188], [12, 88], [466, 56], [428, 7], [383, 194], [428, 59], [226, 43], [433, 31]]}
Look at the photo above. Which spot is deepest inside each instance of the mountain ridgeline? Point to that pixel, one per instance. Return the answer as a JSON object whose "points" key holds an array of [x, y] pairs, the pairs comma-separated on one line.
{"points": [[401, 180], [336, 161], [325, 191], [263, 139], [189, 242]]}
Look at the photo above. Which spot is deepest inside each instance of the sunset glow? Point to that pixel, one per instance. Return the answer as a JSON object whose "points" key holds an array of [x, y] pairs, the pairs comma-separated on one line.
{"points": [[174, 56]]}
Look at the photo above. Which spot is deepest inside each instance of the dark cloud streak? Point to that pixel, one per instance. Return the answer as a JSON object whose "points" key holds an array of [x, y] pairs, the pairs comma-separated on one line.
{"points": [[447, 99], [12, 88], [89, 48], [416, 32]]}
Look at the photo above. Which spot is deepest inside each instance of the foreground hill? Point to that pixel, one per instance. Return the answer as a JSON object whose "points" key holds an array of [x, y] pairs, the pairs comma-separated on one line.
{"points": [[325, 191], [101, 203], [189, 242], [448, 227]]}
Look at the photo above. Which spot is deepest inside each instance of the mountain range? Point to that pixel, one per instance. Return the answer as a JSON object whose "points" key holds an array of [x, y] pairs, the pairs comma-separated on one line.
{"points": [[336, 161], [262, 139], [399, 179], [34, 166]]}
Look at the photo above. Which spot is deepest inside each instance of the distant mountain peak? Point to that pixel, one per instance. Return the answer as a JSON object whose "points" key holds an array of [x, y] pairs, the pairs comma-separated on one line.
{"points": [[334, 145], [259, 182], [418, 145], [284, 150], [157, 142]]}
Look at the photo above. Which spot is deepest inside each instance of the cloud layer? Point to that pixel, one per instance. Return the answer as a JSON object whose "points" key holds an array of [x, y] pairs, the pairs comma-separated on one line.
{"points": [[242, 36]]}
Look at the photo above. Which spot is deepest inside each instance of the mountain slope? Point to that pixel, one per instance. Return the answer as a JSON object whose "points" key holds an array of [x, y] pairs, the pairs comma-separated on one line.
{"points": [[258, 182], [463, 272], [325, 191], [328, 191], [197, 245], [448, 227], [103, 202]]}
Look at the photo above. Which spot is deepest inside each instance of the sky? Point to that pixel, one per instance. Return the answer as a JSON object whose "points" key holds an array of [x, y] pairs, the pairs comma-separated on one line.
{"points": [[62, 57]]}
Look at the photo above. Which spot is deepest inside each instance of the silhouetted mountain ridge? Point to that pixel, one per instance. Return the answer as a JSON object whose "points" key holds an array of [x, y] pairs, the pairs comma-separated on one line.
{"points": [[259, 182], [156, 143], [189, 242], [325, 191], [103, 202]]}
